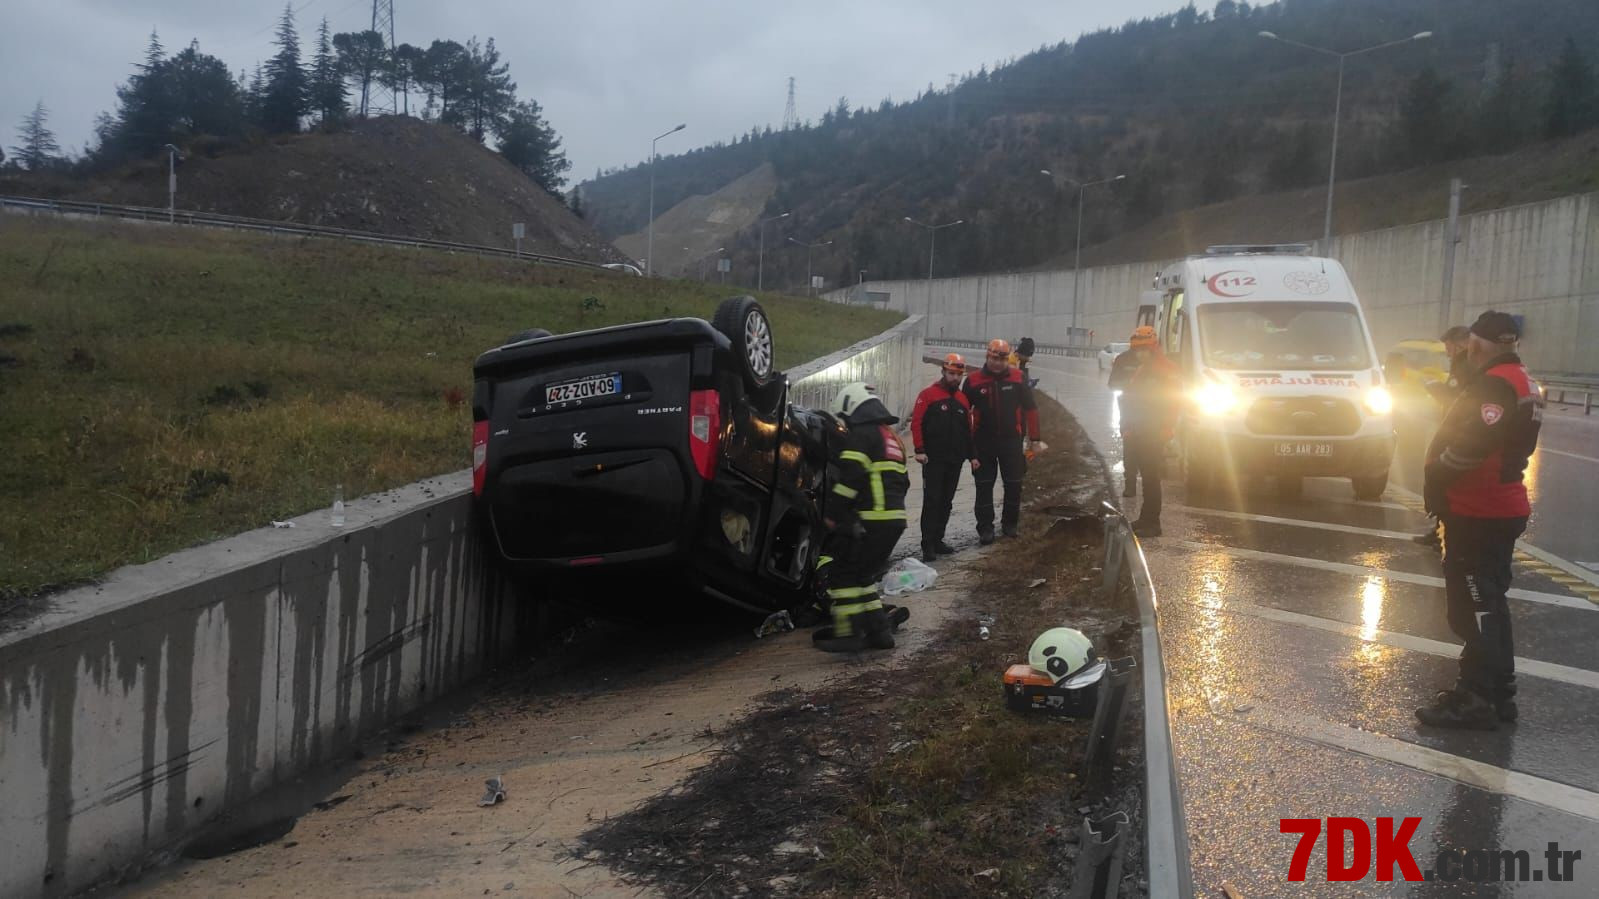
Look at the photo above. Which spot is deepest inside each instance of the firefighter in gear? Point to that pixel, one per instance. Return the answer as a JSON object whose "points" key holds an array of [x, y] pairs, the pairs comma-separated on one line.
{"points": [[865, 514], [1150, 403], [1473, 483], [1004, 415], [941, 433]]}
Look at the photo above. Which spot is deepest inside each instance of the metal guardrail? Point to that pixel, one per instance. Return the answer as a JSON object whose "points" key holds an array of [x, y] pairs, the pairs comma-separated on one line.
{"points": [[241, 223], [1165, 830], [1556, 386]]}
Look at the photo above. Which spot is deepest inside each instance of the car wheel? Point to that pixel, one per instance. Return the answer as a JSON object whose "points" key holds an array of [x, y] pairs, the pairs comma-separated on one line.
{"points": [[1370, 489], [529, 334], [744, 323]]}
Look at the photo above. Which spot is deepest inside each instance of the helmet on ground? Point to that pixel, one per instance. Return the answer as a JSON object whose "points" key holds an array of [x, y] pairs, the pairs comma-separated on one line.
{"points": [[849, 399], [1062, 652], [1143, 335], [954, 362], [998, 348]]}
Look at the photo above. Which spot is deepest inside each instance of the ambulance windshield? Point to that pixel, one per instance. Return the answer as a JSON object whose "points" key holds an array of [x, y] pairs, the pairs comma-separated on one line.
{"points": [[1293, 336]]}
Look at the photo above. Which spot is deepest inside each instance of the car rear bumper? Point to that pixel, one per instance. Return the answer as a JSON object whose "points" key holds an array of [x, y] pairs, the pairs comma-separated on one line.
{"points": [[1345, 456]]}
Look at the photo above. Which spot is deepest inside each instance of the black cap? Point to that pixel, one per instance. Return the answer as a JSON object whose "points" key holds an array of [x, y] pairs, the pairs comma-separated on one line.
{"points": [[1498, 327]]}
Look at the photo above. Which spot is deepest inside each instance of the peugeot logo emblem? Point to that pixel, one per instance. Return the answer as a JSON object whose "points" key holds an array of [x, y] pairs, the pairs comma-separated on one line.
{"points": [[580, 440]]}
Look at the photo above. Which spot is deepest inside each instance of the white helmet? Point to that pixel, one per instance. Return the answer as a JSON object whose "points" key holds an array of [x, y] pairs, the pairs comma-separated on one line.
{"points": [[850, 398], [1063, 653]]}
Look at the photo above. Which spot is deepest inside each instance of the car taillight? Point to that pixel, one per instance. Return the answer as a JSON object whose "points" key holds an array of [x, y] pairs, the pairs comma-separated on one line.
{"points": [[704, 430], [480, 455]]}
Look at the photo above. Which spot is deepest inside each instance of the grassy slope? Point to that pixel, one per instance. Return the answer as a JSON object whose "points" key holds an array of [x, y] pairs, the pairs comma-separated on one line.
{"points": [[162, 388]]}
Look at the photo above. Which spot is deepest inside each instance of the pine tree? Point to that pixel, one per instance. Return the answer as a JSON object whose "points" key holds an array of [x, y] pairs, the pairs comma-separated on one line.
{"points": [[285, 102], [1572, 105], [1428, 121], [38, 149], [529, 143], [329, 99]]}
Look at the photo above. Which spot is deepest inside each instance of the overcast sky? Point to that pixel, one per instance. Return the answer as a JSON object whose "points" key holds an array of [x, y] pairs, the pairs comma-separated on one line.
{"points": [[610, 74]]}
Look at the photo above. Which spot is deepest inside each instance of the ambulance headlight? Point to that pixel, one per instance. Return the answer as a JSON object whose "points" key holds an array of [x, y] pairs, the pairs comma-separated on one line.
{"points": [[1215, 399], [1379, 401]]}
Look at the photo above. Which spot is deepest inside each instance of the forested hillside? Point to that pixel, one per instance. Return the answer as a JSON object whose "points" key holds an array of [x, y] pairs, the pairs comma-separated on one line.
{"points": [[1194, 108]]}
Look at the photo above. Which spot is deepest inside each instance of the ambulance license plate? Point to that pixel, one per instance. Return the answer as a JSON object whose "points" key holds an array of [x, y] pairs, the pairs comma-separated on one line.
{"points": [[1313, 450]]}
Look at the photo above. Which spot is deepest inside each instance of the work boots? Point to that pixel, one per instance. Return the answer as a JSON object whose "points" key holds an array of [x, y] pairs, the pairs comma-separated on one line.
{"points": [[873, 629], [985, 536], [1462, 709]]}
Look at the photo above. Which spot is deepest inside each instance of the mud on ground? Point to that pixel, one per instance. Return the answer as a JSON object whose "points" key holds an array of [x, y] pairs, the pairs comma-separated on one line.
{"points": [[915, 780]]}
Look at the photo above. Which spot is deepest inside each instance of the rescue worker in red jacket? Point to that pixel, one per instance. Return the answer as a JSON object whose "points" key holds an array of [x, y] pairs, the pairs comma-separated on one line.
{"points": [[941, 433], [1004, 415], [865, 514], [1150, 403], [1473, 483]]}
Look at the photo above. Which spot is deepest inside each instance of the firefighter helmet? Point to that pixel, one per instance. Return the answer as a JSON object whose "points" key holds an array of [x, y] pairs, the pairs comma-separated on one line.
{"points": [[1062, 652], [954, 362], [849, 398], [1143, 335]]}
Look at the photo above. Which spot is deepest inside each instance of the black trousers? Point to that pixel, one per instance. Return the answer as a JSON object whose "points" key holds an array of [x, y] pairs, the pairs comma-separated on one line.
{"points": [[1477, 556], [858, 564], [940, 477], [1001, 459], [1144, 454]]}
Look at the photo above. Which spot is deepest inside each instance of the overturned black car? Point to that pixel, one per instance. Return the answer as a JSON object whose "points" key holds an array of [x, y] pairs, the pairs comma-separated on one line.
{"points": [[614, 467]]}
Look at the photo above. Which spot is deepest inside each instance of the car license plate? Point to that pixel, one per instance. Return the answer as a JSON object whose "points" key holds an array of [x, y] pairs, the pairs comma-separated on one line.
{"points": [[1315, 450], [583, 388]]}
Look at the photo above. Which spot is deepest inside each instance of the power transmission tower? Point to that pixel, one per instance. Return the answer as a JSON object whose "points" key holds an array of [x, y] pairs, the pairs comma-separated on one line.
{"points": [[378, 95], [790, 117]]}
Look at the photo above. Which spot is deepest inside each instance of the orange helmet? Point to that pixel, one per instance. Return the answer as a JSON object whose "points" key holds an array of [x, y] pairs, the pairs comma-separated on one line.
{"points": [[999, 348], [954, 362], [1143, 335]]}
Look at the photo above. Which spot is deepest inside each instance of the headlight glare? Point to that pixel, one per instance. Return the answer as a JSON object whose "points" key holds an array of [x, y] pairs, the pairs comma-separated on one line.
{"points": [[1379, 401]]}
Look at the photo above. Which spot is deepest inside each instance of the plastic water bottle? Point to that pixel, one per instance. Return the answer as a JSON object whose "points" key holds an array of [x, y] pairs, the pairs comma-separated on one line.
{"points": [[338, 505]]}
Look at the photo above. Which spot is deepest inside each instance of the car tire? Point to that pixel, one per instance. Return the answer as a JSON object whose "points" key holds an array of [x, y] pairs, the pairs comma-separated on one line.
{"points": [[744, 323], [529, 334], [1370, 489]]}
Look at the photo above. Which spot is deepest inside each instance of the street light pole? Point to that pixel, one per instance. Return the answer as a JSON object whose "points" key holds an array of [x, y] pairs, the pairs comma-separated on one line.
{"points": [[1338, 105], [172, 183], [932, 243], [808, 289], [1077, 263], [705, 257], [649, 251], [760, 264]]}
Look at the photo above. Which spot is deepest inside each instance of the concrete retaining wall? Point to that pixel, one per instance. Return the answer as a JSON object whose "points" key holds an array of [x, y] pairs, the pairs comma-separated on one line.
{"points": [[891, 360], [134, 712], [1540, 260]]}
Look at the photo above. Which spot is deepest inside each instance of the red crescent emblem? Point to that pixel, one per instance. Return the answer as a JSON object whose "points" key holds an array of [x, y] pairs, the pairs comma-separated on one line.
{"points": [[1492, 412]]}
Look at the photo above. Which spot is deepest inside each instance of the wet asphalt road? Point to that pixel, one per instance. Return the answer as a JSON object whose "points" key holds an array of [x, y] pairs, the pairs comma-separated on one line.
{"points": [[1301, 635]]}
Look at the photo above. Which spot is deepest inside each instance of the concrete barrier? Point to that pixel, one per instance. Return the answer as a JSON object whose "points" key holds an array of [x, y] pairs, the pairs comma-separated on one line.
{"points": [[1538, 260], [135, 712]]}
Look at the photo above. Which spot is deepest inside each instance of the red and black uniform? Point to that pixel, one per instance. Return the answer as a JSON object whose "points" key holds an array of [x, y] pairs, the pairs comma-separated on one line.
{"points": [[1474, 485], [941, 427], [1003, 412]]}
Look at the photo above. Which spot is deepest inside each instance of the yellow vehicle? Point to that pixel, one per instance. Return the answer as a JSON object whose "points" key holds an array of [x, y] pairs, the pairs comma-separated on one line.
{"points": [[1425, 360]]}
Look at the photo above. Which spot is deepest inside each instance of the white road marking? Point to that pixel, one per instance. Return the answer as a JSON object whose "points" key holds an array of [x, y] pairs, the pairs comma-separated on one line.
{"points": [[1404, 577], [1542, 555], [1545, 449], [1580, 677], [1301, 523], [1515, 784]]}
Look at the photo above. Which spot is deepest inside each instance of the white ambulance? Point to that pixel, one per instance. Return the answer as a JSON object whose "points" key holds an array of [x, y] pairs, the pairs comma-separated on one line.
{"points": [[1281, 375]]}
